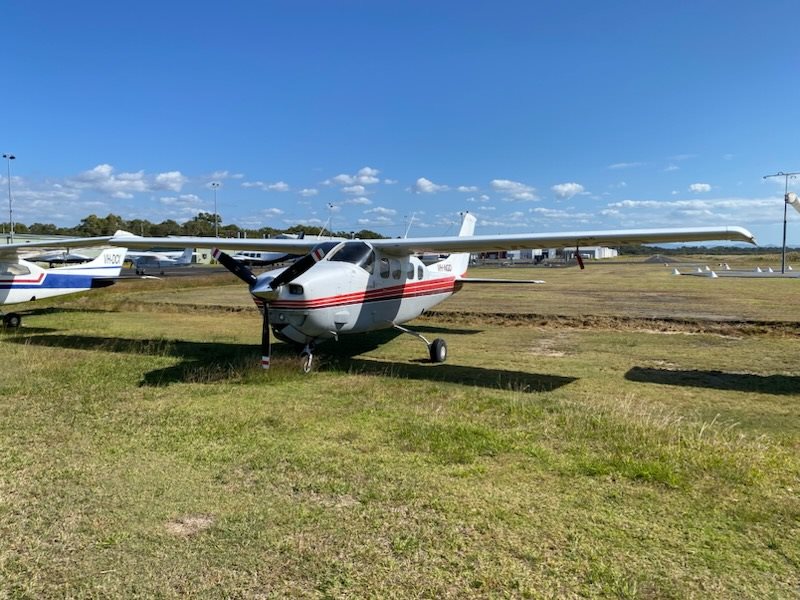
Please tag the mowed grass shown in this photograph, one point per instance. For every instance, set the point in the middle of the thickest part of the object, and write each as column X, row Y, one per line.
column 143, row 453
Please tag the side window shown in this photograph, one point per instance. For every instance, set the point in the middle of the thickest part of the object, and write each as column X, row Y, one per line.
column 13, row 269
column 385, row 268
column 410, row 272
column 419, row 272
column 396, row 270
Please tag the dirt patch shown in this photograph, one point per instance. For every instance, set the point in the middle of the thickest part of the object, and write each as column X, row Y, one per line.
column 734, row 328
column 189, row 525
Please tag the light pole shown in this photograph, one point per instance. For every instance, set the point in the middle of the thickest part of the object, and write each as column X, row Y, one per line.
column 9, row 157
column 214, row 186
column 786, row 177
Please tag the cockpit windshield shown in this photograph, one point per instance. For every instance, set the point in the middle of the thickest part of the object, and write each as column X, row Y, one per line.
column 356, row 253
column 324, row 248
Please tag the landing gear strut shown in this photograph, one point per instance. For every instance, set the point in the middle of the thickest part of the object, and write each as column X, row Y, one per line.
column 307, row 357
column 12, row 320
column 437, row 349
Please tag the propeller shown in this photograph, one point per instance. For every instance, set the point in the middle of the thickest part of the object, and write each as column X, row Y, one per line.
column 292, row 272
column 297, row 268
column 234, row 266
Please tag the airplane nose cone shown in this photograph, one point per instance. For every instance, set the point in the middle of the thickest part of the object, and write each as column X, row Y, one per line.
column 262, row 288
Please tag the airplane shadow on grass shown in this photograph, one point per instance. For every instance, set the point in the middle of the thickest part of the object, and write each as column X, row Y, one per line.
column 207, row 362
column 719, row 380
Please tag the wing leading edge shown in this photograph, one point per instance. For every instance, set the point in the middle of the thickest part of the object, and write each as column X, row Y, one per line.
column 449, row 244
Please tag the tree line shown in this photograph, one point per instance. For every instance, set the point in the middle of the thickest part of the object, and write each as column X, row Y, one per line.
column 200, row 225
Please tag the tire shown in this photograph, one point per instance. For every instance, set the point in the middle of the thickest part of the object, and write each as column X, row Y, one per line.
column 12, row 320
column 438, row 350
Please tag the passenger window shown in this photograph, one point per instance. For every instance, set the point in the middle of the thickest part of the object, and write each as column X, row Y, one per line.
column 419, row 272
column 396, row 270
column 410, row 272
column 385, row 268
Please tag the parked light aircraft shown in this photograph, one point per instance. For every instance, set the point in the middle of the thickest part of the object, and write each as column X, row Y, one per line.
column 353, row 286
column 158, row 260
column 59, row 257
column 24, row 281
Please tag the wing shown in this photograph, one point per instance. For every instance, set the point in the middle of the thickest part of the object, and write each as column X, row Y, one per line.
column 475, row 243
column 284, row 246
column 11, row 252
column 521, row 241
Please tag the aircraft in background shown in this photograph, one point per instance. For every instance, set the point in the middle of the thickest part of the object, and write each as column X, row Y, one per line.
column 254, row 258
column 24, row 281
column 59, row 257
column 354, row 286
column 158, row 260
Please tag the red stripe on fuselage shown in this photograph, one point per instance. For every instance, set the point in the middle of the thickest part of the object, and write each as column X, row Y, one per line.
column 422, row 288
column 14, row 280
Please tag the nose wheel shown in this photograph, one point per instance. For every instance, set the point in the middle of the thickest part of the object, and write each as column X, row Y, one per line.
column 307, row 358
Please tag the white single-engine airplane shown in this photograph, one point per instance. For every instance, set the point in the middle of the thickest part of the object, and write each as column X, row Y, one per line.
column 24, row 281
column 354, row 286
column 158, row 260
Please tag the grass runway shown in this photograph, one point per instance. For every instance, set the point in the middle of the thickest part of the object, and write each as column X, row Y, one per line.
column 615, row 433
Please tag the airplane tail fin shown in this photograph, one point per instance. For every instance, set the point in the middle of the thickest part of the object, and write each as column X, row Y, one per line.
column 186, row 257
column 107, row 264
column 458, row 262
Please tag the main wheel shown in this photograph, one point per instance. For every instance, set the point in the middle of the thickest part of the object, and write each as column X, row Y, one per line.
column 438, row 350
column 12, row 320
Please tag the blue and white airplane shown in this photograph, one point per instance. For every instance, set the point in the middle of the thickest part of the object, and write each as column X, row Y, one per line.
column 24, row 281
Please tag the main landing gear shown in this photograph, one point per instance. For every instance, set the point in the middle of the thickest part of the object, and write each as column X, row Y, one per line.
column 437, row 349
column 12, row 320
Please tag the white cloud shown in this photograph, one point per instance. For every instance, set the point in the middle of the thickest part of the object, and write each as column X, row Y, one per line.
column 279, row 186
column 375, row 221
column 380, row 210
column 361, row 200
column 390, row 181
column 308, row 192
column 670, row 168
column 172, row 180
column 467, row 188
column 514, row 190
column 625, row 165
column 426, row 186
column 680, row 157
column 700, row 188
column 567, row 190
column 103, row 179
column 365, row 176
column 182, row 200
column 272, row 212
column 357, row 190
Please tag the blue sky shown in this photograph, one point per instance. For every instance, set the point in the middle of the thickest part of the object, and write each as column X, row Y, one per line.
column 535, row 116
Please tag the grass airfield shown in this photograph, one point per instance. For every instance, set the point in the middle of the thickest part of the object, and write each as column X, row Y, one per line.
column 617, row 432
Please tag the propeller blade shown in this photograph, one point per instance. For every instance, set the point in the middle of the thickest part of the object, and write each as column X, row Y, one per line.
column 234, row 266
column 265, row 344
column 299, row 267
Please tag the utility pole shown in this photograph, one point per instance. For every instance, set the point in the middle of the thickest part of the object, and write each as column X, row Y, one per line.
column 214, row 186
column 9, row 157
column 786, row 177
